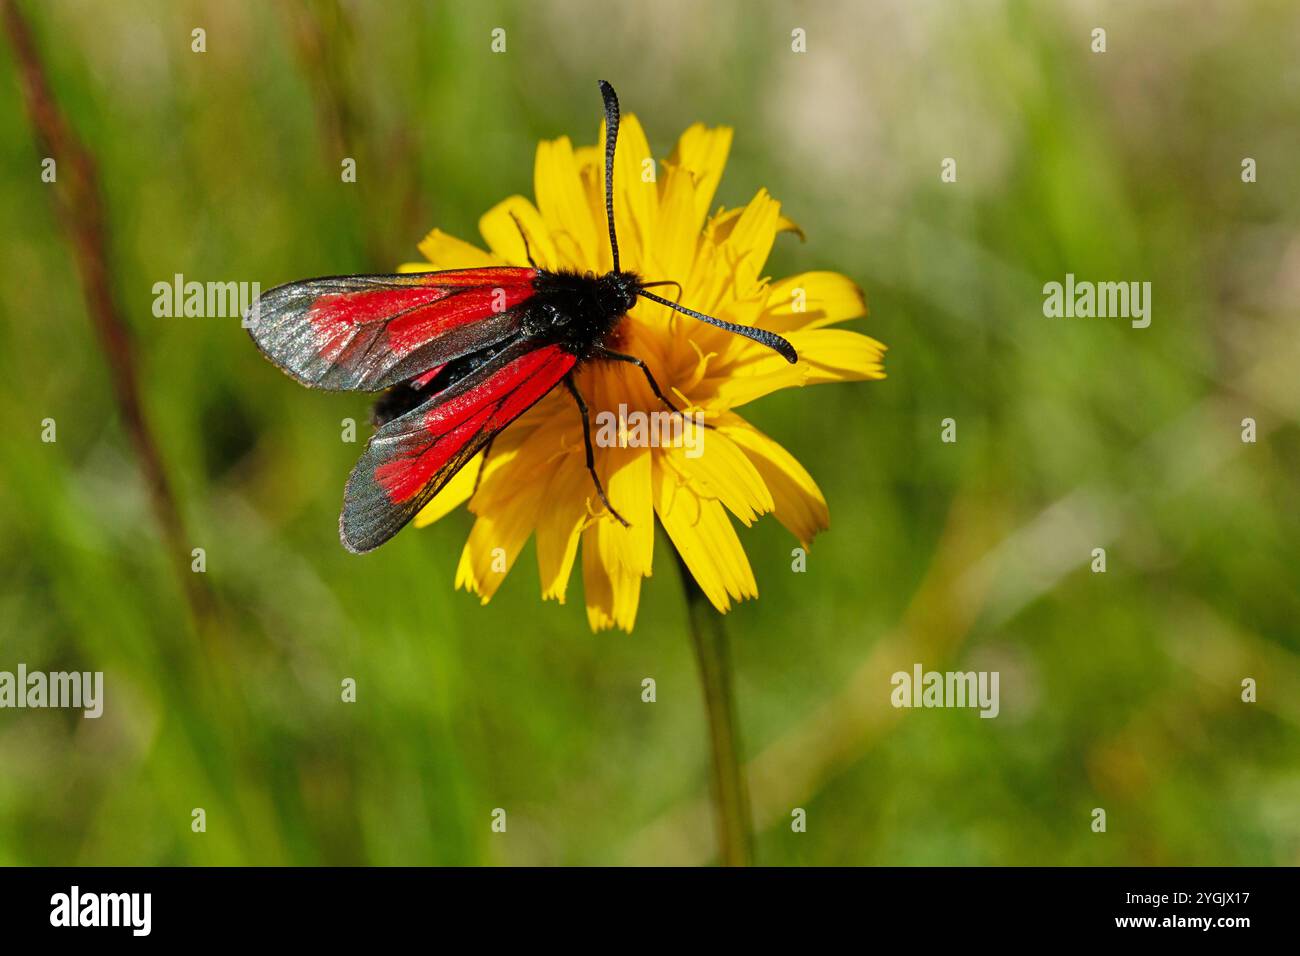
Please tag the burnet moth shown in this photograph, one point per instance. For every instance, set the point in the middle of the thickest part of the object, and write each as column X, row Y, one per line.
column 462, row 354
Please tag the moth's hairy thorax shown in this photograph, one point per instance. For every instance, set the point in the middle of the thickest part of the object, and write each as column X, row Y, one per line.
column 579, row 312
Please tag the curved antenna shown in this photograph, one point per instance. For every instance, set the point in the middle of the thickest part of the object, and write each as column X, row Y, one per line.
column 761, row 336
column 611, row 139
column 651, row 285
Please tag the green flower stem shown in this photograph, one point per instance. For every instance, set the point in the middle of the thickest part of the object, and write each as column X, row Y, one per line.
column 730, row 793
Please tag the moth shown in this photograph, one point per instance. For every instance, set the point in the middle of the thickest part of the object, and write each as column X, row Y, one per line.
column 459, row 355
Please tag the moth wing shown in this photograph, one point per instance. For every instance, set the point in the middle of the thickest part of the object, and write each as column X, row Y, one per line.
column 365, row 333
column 411, row 458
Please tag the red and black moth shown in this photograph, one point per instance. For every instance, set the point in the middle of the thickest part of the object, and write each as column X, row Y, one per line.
column 462, row 354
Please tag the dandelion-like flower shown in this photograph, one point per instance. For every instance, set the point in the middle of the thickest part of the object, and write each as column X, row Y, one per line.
column 535, row 480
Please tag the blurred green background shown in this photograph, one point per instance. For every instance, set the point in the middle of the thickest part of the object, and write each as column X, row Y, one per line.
column 1119, row 690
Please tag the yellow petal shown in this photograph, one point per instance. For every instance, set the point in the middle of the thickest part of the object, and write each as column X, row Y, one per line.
column 677, row 231
column 732, row 271
column 591, row 170
column 448, row 252
column 702, row 151
column 615, row 558
column 560, row 524
column 501, row 227
column 624, row 472
column 718, row 470
column 702, row 534
column 825, row 355
column 562, row 201
column 751, row 240
column 626, row 475
column 720, row 226
column 811, row 300
column 492, row 547
column 798, row 502
column 571, row 504
column 598, row 590
column 612, row 592
column 508, row 504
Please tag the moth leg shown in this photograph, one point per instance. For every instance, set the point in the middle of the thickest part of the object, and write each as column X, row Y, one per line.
column 591, row 452
column 650, row 379
column 482, row 465
column 524, row 236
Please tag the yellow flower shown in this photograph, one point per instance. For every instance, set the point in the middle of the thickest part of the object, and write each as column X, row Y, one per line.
column 535, row 480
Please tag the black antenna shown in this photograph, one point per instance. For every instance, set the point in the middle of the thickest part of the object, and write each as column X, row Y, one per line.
column 761, row 336
column 611, row 140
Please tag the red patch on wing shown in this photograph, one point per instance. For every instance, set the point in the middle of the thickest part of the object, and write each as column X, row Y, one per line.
column 488, row 408
column 423, row 380
column 416, row 314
